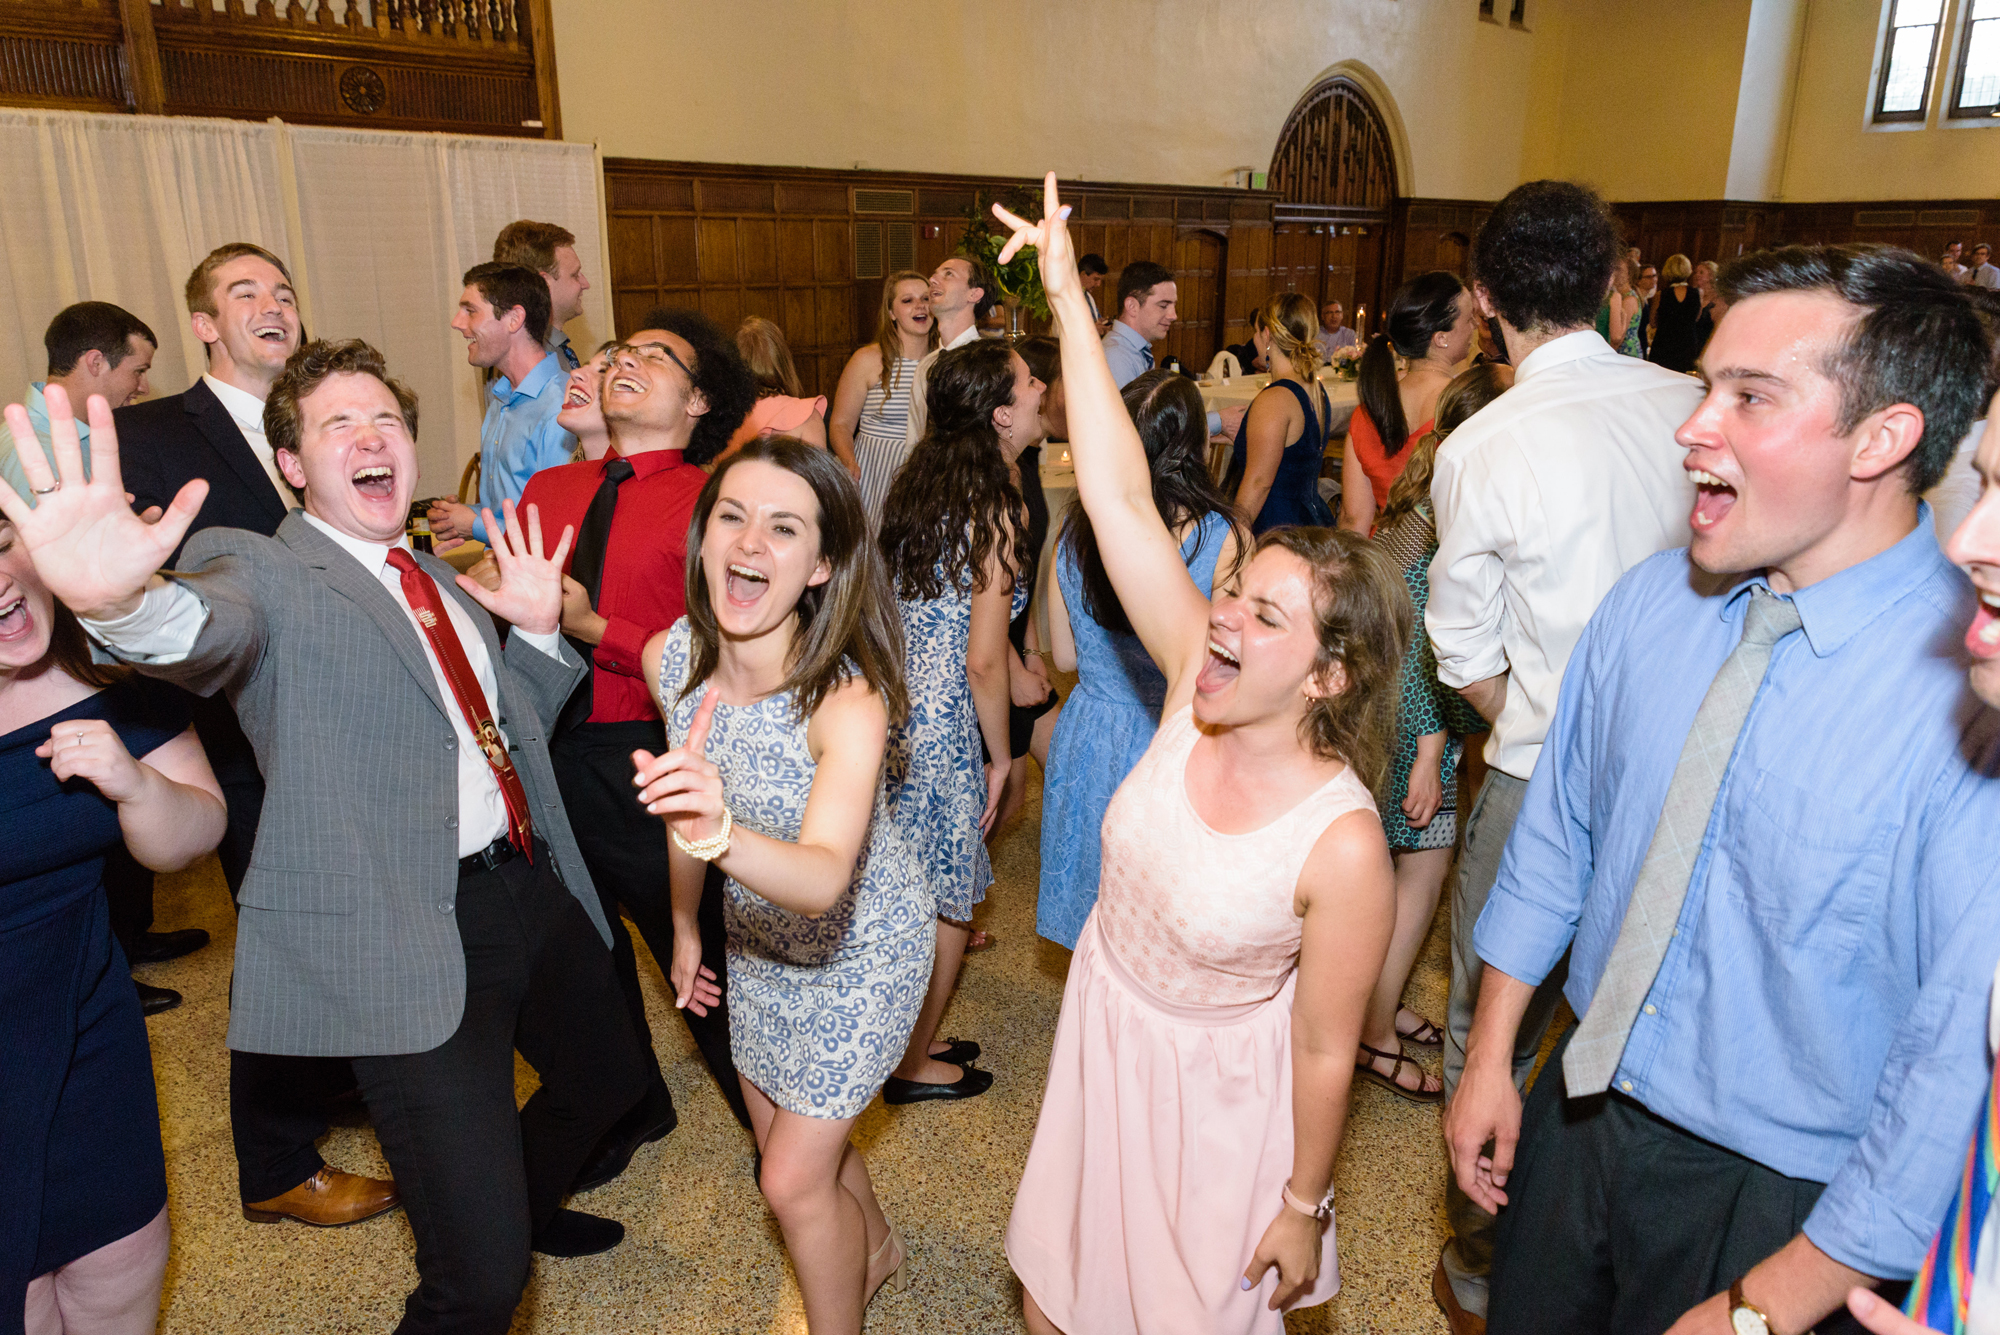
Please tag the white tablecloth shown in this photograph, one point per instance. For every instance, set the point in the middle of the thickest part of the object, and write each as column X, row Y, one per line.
column 1241, row 389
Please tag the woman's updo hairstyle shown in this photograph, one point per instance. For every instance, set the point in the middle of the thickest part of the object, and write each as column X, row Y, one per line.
column 1422, row 308
column 1292, row 321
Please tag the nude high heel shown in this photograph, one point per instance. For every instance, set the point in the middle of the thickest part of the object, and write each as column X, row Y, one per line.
column 899, row 1278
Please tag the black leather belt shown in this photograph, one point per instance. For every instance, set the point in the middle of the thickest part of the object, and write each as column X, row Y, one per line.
column 496, row 854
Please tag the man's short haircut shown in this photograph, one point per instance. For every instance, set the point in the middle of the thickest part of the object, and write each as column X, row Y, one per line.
column 506, row 286
column 718, row 372
column 1092, row 263
column 92, row 326
column 532, row 245
column 1982, row 246
column 310, row 367
column 980, row 277
column 200, row 291
column 1917, row 338
column 1139, row 278
column 1545, row 254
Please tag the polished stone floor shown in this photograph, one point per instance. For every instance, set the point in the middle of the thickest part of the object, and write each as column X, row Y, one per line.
column 702, row 1253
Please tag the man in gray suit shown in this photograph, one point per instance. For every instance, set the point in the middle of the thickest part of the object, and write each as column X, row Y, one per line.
column 415, row 899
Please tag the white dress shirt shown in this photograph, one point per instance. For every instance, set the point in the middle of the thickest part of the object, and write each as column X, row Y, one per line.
column 169, row 619
column 1543, row 499
column 913, row 430
column 247, row 411
column 1985, row 275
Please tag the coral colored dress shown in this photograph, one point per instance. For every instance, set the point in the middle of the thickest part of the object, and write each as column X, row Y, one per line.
column 1165, row 1136
column 1381, row 467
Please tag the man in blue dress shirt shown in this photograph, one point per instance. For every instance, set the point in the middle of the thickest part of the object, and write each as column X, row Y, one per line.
column 1793, row 962
column 503, row 315
column 1148, row 309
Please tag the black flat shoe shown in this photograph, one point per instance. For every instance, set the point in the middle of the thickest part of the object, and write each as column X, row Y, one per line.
column 159, row 947
column 574, row 1233
column 652, row 1119
column 974, row 1082
column 153, row 1000
column 957, row 1052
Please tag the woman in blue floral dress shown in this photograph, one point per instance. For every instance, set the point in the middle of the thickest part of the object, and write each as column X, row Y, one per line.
column 951, row 535
column 779, row 690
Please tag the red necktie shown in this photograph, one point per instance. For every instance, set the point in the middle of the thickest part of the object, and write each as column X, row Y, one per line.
column 425, row 601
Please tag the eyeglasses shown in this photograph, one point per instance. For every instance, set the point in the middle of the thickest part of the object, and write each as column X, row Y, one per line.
column 654, row 353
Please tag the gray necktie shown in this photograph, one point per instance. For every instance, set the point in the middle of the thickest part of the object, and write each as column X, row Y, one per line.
column 1662, row 886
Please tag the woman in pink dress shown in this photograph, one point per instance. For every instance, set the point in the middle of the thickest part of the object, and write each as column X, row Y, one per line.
column 1180, row 1181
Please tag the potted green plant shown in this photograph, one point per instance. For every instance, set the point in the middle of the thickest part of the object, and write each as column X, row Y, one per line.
column 1019, row 280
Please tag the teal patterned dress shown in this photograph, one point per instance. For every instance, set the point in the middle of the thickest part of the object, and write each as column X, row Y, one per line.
column 1428, row 705
column 820, row 1009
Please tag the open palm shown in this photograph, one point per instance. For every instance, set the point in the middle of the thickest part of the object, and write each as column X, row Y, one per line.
column 87, row 545
column 529, row 592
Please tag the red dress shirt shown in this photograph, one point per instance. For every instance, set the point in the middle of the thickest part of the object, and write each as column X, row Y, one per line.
column 644, row 587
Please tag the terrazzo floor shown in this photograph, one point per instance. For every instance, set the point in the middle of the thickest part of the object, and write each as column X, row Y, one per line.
column 701, row 1253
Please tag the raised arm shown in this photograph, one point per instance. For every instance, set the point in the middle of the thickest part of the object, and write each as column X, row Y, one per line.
column 1113, row 481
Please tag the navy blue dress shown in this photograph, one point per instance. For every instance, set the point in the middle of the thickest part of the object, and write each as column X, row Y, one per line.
column 79, row 1123
column 1294, row 496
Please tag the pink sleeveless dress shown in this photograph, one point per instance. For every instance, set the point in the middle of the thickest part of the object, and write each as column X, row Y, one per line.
column 1165, row 1135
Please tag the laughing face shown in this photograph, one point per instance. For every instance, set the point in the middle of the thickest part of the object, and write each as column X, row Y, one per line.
column 648, row 385
column 1152, row 313
column 1263, row 644
column 582, row 414
column 356, row 467
column 760, row 549
column 912, row 307
column 255, row 327
column 25, row 607
column 1976, row 546
column 1019, row 423
column 1773, row 476
column 951, row 288
column 487, row 333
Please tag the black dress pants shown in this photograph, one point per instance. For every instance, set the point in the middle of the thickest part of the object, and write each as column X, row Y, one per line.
column 477, row 1178
column 626, row 851
column 1618, row 1220
column 277, row 1104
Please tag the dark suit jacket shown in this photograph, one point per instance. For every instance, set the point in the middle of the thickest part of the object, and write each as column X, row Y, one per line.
column 164, row 444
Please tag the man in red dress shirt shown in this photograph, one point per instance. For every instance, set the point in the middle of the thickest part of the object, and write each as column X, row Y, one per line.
column 673, row 394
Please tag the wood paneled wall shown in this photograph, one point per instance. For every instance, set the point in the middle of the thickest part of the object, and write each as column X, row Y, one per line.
column 780, row 242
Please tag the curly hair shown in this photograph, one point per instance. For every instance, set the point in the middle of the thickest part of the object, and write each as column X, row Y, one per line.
column 1544, row 255
column 1422, row 308
column 1363, row 619
column 308, row 368
column 953, row 505
column 720, row 376
column 1173, row 426
column 1917, row 338
column 847, row 625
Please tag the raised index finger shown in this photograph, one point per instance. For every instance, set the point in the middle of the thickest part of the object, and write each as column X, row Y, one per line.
column 697, row 739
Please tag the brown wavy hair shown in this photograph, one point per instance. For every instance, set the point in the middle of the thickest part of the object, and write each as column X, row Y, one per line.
column 1469, row 391
column 953, row 504
column 888, row 337
column 847, row 625
column 1361, row 611
column 768, row 357
column 308, row 368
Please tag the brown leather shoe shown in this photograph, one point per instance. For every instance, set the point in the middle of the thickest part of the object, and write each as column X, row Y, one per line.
column 328, row 1199
column 1461, row 1321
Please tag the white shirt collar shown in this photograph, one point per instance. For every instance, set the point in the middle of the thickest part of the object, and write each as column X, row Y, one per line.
column 245, row 408
column 1557, row 351
column 971, row 335
column 372, row 555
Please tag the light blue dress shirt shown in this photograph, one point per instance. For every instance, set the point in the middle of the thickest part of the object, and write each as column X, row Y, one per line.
column 38, row 418
column 1822, row 1006
column 520, row 436
column 1130, row 356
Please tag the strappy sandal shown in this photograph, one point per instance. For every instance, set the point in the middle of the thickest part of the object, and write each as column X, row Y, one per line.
column 1366, row 1069
column 1425, row 1035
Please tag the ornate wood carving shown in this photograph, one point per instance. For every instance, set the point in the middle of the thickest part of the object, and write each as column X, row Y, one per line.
column 1334, row 151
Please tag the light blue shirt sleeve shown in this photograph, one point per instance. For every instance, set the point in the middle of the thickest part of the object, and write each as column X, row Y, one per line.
column 1124, row 353
column 519, row 438
column 10, row 466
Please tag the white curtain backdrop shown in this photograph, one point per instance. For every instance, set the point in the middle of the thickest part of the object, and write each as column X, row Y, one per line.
column 376, row 228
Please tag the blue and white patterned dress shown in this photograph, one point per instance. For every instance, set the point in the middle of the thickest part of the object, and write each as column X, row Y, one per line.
column 820, row 1009
column 941, row 752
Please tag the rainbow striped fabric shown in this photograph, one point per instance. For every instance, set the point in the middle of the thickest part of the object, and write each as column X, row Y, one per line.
column 1942, row 1291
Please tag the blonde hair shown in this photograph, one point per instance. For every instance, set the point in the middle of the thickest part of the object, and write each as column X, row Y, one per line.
column 768, row 357
column 1469, row 391
column 1292, row 321
column 888, row 337
column 1677, row 269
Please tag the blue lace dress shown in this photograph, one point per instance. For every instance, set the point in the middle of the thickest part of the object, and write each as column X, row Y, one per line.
column 1100, row 735
column 941, row 751
column 820, row 1009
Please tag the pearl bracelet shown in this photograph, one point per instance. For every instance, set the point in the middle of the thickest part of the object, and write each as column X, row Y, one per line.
column 708, row 850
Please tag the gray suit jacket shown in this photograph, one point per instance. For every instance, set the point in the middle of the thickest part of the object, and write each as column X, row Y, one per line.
column 347, row 941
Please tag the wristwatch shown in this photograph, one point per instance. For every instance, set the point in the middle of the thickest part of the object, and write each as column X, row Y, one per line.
column 1743, row 1318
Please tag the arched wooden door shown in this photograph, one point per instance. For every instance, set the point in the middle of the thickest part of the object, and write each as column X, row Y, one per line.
column 1335, row 172
column 1199, row 269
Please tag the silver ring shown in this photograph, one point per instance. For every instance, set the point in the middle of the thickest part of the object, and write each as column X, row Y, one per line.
column 44, row 491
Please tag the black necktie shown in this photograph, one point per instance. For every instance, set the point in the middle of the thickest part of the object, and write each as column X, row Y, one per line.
column 586, row 567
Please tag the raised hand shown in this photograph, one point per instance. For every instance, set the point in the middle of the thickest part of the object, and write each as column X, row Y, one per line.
column 682, row 785
column 529, row 593
column 1053, row 248
column 87, row 545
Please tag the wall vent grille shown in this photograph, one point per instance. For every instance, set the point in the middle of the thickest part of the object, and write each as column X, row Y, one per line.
column 1885, row 217
column 885, row 201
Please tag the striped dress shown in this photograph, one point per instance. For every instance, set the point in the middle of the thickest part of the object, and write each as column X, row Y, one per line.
column 879, row 447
